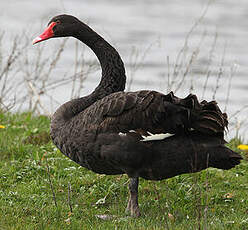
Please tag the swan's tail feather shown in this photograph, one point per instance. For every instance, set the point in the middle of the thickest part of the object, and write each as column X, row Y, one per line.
column 210, row 122
column 224, row 158
column 205, row 117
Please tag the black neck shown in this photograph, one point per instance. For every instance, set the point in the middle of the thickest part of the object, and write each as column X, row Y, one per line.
column 113, row 71
column 113, row 74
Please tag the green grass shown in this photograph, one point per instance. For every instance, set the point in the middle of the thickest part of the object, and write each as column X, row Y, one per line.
column 214, row 199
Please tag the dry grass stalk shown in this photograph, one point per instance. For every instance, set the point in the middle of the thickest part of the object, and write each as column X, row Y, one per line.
column 233, row 70
column 8, row 73
column 69, row 196
column 220, row 73
column 209, row 63
column 51, row 186
column 136, row 59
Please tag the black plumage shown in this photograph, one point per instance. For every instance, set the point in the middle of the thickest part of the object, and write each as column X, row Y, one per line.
column 107, row 130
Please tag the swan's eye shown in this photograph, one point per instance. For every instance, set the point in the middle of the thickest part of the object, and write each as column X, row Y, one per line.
column 58, row 22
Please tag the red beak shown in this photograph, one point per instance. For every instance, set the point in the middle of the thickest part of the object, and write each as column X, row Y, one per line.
column 48, row 33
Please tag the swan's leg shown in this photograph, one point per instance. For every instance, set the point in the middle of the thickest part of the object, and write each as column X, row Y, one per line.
column 128, row 209
column 133, row 205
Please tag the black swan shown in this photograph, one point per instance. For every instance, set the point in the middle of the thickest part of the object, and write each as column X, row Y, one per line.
column 115, row 132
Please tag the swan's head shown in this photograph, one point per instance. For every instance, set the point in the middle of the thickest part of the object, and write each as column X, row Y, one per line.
column 61, row 26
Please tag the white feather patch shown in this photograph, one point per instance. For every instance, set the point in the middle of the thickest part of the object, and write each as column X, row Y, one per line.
column 122, row 134
column 132, row 131
column 157, row 137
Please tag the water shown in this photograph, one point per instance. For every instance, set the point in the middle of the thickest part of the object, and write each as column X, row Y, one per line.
column 160, row 26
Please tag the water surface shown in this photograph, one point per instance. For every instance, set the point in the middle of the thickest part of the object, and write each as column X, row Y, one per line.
column 157, row 28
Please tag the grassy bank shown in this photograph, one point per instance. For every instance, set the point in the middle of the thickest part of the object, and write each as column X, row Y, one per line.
column 42, row 189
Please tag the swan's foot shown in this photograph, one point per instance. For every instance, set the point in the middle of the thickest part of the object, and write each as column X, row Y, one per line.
column 133, row 205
